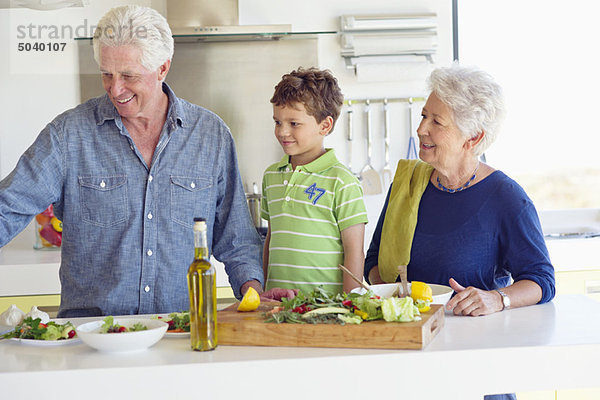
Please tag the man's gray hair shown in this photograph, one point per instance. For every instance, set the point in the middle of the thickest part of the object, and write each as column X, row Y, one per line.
column 475, row 99
column 137, row 26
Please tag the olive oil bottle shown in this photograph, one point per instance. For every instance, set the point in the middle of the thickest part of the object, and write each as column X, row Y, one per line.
column 202, row 289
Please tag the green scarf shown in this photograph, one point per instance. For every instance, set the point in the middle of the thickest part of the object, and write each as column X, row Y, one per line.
column 410, row 181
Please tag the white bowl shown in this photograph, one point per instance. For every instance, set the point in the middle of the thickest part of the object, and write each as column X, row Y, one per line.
column 441, row 293
column 90, row 334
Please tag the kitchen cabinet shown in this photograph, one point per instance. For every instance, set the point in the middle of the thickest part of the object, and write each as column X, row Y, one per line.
column 579, row 282
column 577, row 264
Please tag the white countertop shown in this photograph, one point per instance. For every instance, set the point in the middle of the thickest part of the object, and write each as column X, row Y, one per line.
column 542, row 347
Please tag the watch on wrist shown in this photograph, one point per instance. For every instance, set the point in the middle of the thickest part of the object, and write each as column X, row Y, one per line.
column 505, row 300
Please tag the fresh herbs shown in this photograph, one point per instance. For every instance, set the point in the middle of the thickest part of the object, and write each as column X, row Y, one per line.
column 110, row 327
column 34, row 329
column 319, row 307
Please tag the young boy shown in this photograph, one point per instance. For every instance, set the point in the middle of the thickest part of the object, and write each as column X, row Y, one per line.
column 313, row 203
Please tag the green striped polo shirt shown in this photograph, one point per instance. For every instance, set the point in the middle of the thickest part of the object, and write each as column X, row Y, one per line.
column 307, row 209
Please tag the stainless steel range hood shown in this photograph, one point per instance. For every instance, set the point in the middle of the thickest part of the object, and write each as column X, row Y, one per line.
column 212, row 20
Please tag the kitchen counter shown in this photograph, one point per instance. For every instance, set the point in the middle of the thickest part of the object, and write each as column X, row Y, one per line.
column 550, row 346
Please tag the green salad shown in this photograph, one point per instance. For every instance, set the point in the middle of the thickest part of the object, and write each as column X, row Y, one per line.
column 34, row 329
column 110, row 327
column 179, row 322
column 319, row 306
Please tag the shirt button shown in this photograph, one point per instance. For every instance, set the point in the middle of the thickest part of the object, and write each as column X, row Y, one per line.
column 285, row 182
column 287, row 169
column 192, row 185
column 149, row 215
column 287, row 198
column 147, row 289
column 149, row 252
column 131, row 147
column 102, row 184
column 150, row 178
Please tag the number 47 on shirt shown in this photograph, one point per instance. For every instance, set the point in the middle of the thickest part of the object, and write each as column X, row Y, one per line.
column 312, row 190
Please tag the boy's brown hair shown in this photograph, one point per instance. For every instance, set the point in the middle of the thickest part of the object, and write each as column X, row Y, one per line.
column 316, row 89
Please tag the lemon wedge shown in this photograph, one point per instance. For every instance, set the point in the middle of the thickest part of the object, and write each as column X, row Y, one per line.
column 421, row 291
column 422, row 294
column 250, row 301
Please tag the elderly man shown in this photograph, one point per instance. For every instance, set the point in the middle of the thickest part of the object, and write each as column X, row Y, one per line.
column 127, row 172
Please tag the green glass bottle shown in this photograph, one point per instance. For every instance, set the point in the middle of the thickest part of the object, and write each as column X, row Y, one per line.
column 202, row 287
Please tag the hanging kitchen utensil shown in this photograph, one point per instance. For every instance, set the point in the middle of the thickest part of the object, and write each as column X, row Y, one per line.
column 349, row 112
column 371, row 182
column 253, row 199
column 411, row 153
column 387, row 171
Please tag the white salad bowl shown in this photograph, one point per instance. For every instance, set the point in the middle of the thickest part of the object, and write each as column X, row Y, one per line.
column 90, row 334
column 441, row 293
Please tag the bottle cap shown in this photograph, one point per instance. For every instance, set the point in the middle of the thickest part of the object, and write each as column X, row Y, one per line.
column 199, row 219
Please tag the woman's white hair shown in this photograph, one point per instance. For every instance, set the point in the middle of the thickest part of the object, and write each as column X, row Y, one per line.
column 137, row 26
column 475, row 99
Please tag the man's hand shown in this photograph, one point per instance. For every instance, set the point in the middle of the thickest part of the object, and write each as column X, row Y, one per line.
column 255, row 284
column 276, row 294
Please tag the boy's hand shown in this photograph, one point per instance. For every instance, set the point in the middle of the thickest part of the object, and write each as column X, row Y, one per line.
column 276, row 294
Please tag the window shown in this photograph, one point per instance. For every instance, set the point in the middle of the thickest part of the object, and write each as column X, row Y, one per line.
column 546, row 57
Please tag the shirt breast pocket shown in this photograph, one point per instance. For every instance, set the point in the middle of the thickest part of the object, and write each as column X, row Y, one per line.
column 190, row 197
column 103, row 199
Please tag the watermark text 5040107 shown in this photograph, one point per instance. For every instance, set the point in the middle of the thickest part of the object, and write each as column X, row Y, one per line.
column 41, row 46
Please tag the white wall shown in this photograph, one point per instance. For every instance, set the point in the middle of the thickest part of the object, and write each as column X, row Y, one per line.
column 319, row 15
column 34, row 92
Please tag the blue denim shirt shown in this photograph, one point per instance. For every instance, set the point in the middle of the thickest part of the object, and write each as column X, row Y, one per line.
column 127, row 226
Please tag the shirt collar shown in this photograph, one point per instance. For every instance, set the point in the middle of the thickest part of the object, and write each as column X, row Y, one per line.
column 322, row 163
column 175, row 114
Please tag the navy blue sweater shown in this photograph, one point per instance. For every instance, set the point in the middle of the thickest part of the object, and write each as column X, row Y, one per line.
column 481, row 237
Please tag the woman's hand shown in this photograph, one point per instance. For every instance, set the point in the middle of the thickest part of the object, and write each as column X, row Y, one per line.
column 374, row 276
column 472, row 301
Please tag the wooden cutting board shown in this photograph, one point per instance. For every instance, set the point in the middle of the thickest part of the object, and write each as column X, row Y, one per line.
column 249, row 329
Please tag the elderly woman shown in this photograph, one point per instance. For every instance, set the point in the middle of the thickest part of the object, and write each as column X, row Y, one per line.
column 455, row 220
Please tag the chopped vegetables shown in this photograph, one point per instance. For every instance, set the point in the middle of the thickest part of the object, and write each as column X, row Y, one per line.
column 402, row 309
column 319, row 306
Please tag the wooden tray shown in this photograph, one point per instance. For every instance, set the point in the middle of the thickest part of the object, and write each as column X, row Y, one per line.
column 249, row 329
